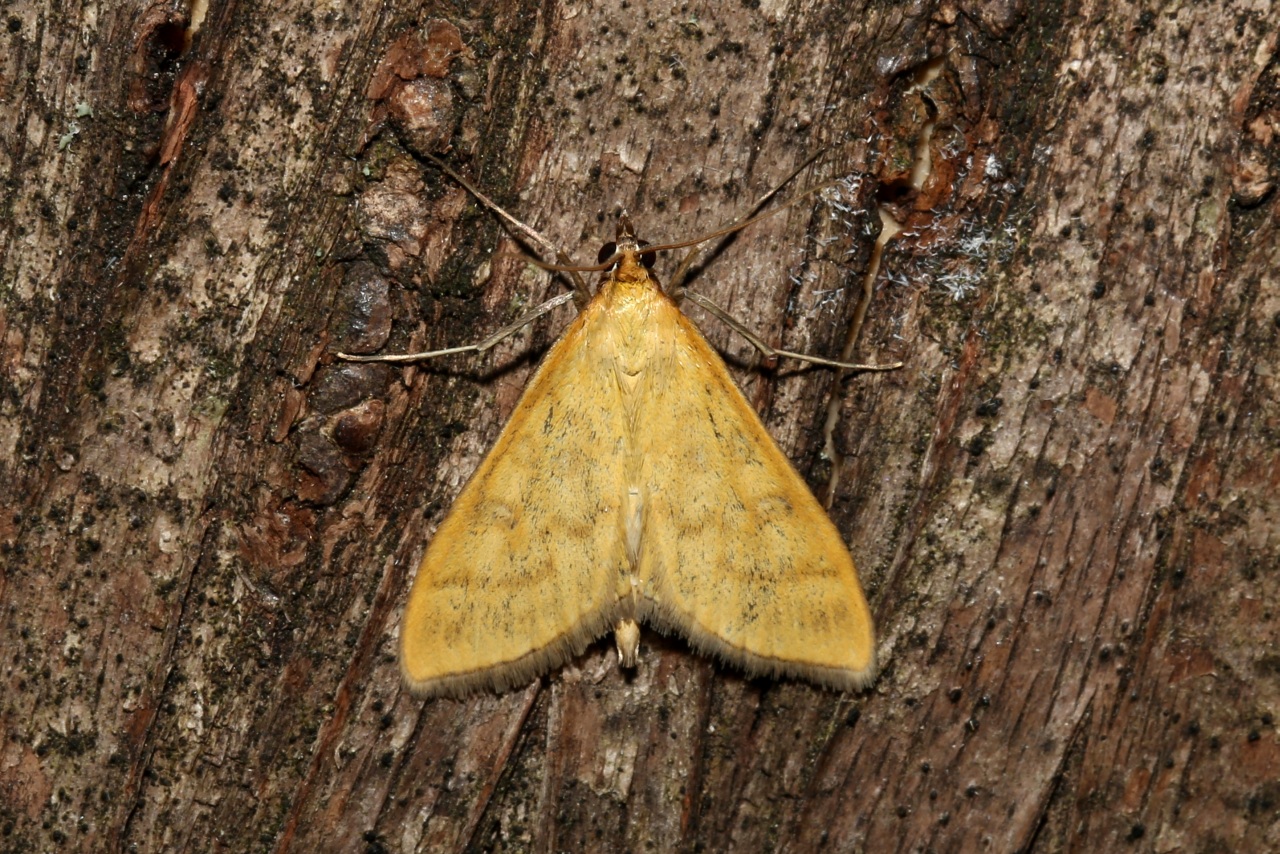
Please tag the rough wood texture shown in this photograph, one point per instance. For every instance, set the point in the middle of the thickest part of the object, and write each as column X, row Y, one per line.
column 1063, row 506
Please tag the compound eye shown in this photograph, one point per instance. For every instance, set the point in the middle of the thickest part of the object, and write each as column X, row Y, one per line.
column 606, row 252
column 647, row 258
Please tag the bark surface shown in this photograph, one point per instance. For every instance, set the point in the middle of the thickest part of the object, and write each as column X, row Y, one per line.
column 1063, row 506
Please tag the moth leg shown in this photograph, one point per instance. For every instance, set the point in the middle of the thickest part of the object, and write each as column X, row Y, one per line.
column 771, row 352
column 480, row 347
column 580, row 293
column 677, row 280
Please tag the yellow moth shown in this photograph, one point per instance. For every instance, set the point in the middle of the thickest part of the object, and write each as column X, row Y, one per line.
column 633, row 484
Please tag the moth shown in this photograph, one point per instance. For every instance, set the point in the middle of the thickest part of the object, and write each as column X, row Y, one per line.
column 633, row 484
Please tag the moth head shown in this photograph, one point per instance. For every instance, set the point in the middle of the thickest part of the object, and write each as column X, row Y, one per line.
column 626, row 242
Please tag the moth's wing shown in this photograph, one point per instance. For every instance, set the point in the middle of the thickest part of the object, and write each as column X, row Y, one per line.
column 525, row 570
column 736, row 554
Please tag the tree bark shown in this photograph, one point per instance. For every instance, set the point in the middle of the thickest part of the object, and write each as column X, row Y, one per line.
column 1062, row 507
